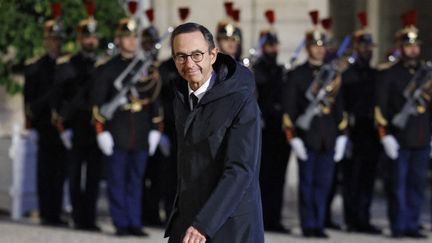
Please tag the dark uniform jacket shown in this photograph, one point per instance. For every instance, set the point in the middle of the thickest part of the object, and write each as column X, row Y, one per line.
column 358, row 89
column 38, row 92
column 324, row 128
column 129, row 128
column 390, row 100
column 72, row 101
column 219, row 146
column 269, row 81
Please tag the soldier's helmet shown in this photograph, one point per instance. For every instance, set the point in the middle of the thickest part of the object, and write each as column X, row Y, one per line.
column 129, row 25
column 54, row 27
column 88, row 26
column 409, row 33
column 269, row 35
column 149, row 35
column 363, row 36
column 315, row 36
column 228, row 28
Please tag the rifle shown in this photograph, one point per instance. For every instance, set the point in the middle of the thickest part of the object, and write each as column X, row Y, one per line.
column 326, row 75
column 422, row 80
column 140, row 64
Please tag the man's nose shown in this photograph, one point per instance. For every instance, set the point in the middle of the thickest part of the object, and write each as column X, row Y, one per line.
column 189, row 62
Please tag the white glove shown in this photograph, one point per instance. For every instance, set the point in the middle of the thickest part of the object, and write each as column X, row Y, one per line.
column 153, row 139
column 299, row 148
column 165, row 145
column 105, row 142
column 391, row 146
column 66, row 137
column 341, row 143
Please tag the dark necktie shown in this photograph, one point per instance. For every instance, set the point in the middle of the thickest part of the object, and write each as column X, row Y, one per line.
column 194, row 100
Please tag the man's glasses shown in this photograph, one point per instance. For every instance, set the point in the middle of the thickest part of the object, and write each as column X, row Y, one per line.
column 195, row 56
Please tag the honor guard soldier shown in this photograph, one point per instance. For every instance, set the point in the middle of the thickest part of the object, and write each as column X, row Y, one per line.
column 358, row 89
column 275, row 152
column 73, row 118
column 314, row 125
column 403, row 115
column 38, row 95
column 127, row 120
column 228, row 34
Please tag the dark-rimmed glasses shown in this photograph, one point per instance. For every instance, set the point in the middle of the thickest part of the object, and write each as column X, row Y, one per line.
column 196, row 56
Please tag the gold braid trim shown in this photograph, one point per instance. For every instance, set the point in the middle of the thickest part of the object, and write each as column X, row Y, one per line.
column 344, row 123
column 379, row 118
column 97, row 116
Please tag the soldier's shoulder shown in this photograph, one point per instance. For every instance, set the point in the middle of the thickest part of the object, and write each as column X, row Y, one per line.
column 385, row 66
column 63, row 59
column 103, row 60
column 32, row 60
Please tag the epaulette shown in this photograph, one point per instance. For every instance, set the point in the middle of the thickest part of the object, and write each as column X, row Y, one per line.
column 63, row 59
column 385, row 65
column 102, row 60
column 31, row 60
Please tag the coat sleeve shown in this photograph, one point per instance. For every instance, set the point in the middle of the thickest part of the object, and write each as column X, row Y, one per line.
column 382, row 92
column 243, row 149
column 289, row 105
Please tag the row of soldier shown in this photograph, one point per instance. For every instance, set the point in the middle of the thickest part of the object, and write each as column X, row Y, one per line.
column 85, row 111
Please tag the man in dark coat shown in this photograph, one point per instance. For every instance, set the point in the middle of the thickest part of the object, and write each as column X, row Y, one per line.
column 38, row 95
column 275, row 150
column 219, row 142
column 74, row 123
column 359, row 171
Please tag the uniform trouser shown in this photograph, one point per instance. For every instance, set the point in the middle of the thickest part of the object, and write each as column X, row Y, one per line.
column 407, row 184
column 275, row 152
column 359, row 175
column 315, row 180
column 51, row 170
column 84, row 187
column 125, row 172
column 152, row 189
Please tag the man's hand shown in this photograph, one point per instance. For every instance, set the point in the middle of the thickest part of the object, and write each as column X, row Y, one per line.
column 193, row 236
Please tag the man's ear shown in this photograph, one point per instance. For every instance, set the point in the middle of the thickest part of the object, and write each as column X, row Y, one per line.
column 117, row 40
column 213, row 54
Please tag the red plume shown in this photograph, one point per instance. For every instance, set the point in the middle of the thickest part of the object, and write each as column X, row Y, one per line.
column 132, row 6
column 150, row 14
column 229, row 8
column 184, row 13
column 412, row 18
column 236, row 15
column 314, row 15
column 269, row 14
column 90, row 7
column 362, row 16
column 327, row 23
column 56, row 10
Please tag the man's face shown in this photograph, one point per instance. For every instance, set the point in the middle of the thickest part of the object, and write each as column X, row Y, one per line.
column 188, row 43
column 364, row 51
column 228, row 46
column 317, row 52
column 128, row 43
column 89, row 43
column 271, row 49
column 52, row 45
column 410, row 51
